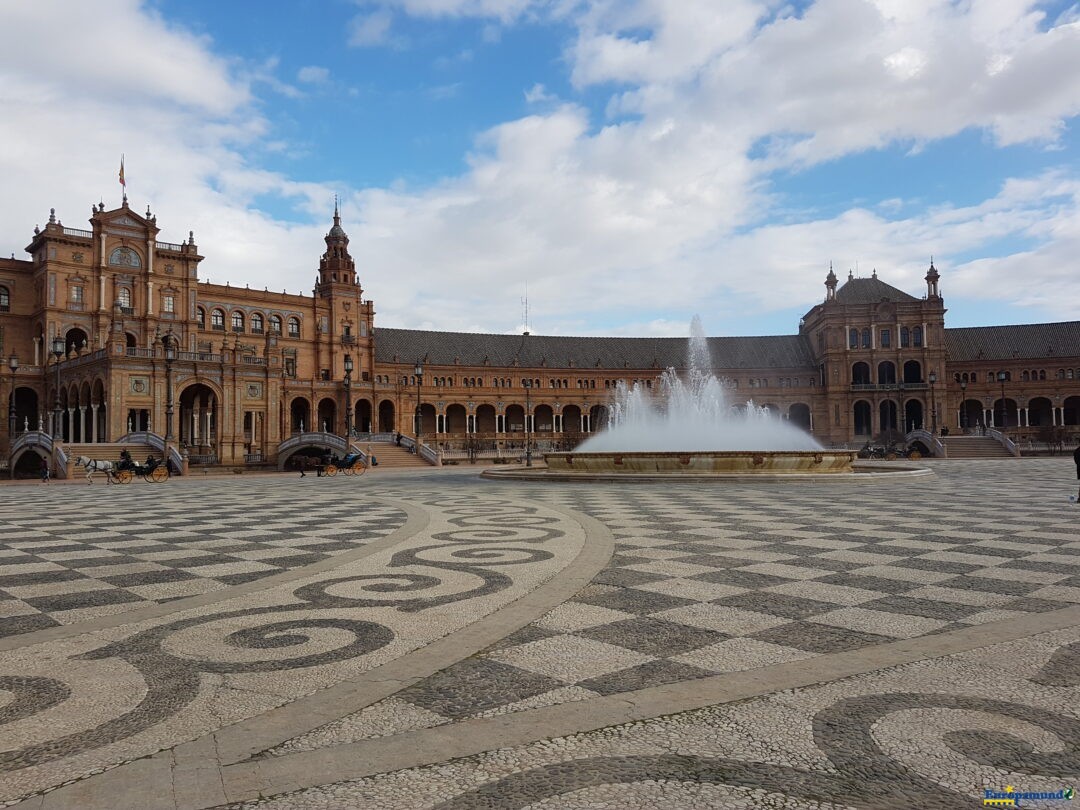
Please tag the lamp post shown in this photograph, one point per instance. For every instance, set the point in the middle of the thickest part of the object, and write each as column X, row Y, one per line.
column 348, row 400
column 933, row 403
column 963, row 406
column 57, row 353
column 528, row 419
column 170, row 343
column 1004, row 418
column 418, row 370
column 13, row 364
column 900, row 416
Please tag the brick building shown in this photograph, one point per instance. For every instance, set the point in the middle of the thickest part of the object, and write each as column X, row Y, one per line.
column 256, row 375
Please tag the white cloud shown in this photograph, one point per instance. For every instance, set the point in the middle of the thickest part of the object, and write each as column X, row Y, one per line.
column 313, row 74
column 628, row 226
column 368, row 30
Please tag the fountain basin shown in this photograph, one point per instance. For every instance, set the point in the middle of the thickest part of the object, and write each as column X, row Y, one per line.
column 735, row 462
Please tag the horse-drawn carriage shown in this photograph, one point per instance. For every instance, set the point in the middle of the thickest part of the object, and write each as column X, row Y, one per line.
column 154, row 470
column 329, row 465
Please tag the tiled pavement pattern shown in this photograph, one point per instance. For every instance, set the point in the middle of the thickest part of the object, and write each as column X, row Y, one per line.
column 64, row 560
column 934, row 734
column 706, row 581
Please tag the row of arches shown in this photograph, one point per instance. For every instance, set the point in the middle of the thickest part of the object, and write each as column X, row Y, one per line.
column 323, row 416
column 972, row 413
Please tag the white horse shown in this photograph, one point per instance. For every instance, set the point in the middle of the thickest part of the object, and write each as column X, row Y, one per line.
column 92, row 466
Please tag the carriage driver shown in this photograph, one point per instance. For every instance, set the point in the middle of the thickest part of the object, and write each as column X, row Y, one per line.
column 125, row 460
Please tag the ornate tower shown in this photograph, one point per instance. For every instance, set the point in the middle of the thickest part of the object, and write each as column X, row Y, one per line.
column 336, row 266
column 932, row 281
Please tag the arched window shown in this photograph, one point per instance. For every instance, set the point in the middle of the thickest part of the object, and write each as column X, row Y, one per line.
column 5, row 299
column 275, row 324
column 200, row 316
column 905, row 337
column 853, row 339
column 1025, row 376
column 1042, row 374
column 294, row 327
column 238, row 321
column 866, row 338
column 916, row 336
column 257, row 323
column 217, row 320
column 124, row 297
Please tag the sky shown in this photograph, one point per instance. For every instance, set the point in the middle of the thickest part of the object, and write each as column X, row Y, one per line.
column 622, row 164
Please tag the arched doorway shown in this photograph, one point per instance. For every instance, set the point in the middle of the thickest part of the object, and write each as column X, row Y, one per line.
column 1005, row 413
column 861, row 414
column 130, row 341
column 598, row 417
column 455, row 420
column 75, row 340
column 971, row 414
column 386, row 417
column 913, row 415
column 860, row 374
column 887, row 412
column 362, row 416
column 485, row 418
column 1040, row 413
column 199, row 418
column 886, row 373
column 571, row 419
column 913, row 371
column 427, row 419
column 544, row 419
column 514, row 421
column 799, row 414
column 327, row 415
column 1070, row 411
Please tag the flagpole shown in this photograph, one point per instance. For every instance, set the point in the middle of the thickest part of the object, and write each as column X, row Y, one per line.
column 123, row 182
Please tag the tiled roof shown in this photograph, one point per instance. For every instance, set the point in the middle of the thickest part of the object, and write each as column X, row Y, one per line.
column 534, row 351
column 870, row 291
column 1036, row 340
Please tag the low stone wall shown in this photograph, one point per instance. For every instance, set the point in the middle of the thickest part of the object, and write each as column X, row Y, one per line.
column 705, row 463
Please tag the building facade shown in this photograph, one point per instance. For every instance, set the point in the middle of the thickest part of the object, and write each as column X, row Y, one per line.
column 82, row 323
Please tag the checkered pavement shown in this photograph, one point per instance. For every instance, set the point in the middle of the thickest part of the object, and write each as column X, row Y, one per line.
column 705, row 581
column 74, row 560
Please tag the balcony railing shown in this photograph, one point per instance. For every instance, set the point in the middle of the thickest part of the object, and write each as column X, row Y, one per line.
column 135, row 351
column 199, row 357
column 76, row 306
column 252, row 360
column 78, row 232
column 169, row 246
column 127, row 310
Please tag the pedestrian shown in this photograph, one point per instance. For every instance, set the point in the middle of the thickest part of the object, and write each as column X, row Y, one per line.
column 44, row 470
column 1076, row 458
column 397, row 438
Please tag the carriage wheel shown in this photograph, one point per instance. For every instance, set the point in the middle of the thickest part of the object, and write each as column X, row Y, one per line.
column 359, row 468
column 890, row 456
column 347, row 470
column 331, row 470
column 123, row 476
column 915, row 455
column 159, row 474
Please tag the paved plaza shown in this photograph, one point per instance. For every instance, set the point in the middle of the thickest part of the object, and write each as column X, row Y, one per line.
column 433, row 639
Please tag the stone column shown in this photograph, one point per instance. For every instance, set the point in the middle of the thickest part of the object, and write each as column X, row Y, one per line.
column 93, row 424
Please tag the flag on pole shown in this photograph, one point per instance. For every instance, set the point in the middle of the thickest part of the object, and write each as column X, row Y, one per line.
column 122, row 181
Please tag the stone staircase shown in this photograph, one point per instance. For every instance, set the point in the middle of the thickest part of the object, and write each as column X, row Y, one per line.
column 975, row 447
column 391, row 457
column 108, row 451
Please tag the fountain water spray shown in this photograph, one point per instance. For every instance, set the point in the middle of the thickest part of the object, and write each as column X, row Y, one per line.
column 692, row 414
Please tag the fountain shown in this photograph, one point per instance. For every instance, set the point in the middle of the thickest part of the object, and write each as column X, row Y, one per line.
column 692, row 430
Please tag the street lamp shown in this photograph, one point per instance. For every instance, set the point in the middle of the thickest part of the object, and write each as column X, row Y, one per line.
column 963, row 406
column 57, row 353
column 418, row 370
column 13, row 364
column 170, row 343
column 933, row 403
column 348, row 400
column 1001, row 375
column 901, row 419
column 528, row 419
